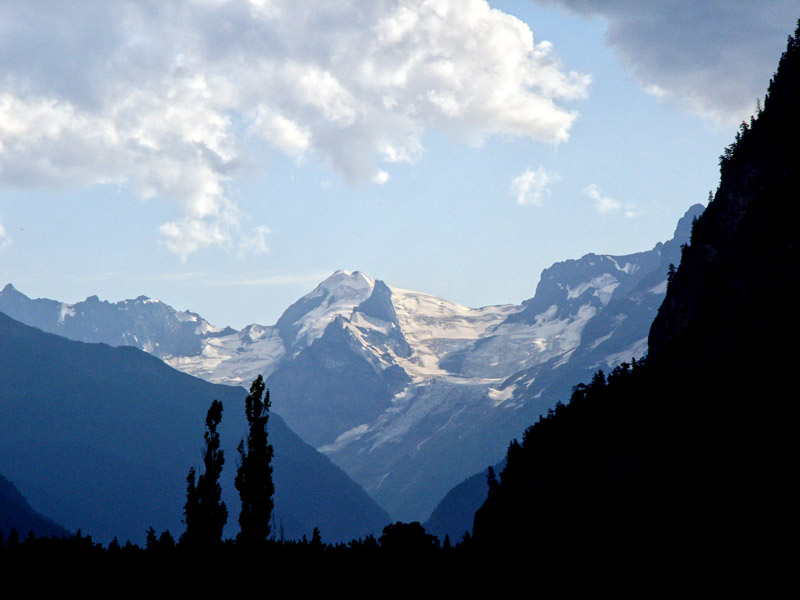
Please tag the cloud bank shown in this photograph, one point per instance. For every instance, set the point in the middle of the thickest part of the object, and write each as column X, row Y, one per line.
column 164, row 97
column 714, row 57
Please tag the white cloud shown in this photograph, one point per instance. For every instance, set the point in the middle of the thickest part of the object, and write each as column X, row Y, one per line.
column 714, row 58
column 603, row 204
column 255, row 243
column 164, row 96
column 632, row 210
column 531, row 186
column 287, row 135
column 380, row 177
column 4, row 239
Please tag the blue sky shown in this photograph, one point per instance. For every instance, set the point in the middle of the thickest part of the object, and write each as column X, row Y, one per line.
column 226, row 156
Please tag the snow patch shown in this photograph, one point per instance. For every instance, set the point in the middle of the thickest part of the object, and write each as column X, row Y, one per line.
column 629, row 268
column 636, row 350
column 66, row 311
column 600, row 340
column 500, row 396
column 348, row 436
column 573, row 293
column 604, row 286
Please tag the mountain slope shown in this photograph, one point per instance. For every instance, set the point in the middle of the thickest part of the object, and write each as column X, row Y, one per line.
column 454, row 514
column 102, row 438
column 181, row 338
column 16, row 513
column 689, row 454
column 475, row 393
column 407, row 392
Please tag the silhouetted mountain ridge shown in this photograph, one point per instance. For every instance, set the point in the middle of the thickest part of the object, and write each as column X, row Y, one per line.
column 17, row 514
column 688, row 454
column 101, row 438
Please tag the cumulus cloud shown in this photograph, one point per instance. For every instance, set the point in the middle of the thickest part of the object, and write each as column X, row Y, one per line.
column 163, row 97
column 716, row 58
column 531, row 186
column 287, row 135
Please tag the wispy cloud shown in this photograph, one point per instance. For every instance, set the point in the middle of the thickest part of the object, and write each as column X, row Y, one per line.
column 603, row 204
column 531, row 186
column 163, row 97
column 4, row 239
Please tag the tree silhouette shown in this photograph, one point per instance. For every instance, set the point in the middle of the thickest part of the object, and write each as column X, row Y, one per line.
column 254, row 477
column 205, row 514
column 491, row 480
column 671, row 273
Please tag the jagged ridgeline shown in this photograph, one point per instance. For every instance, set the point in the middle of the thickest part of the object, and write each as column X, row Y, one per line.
column 689, row 452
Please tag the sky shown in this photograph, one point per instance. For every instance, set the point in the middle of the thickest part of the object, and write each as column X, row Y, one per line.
column 226, row 156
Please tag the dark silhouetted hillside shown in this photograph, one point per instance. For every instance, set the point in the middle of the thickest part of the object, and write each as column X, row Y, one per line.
column 16, row 513
column 102, row 438
column 688, row 456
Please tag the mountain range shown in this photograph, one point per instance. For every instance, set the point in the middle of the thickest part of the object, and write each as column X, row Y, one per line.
column 407, row 392
column 101, row 438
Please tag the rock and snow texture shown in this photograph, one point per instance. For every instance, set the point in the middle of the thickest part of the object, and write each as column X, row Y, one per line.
column 407, row 392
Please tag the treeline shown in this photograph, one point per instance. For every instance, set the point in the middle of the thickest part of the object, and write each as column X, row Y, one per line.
column 397, row 540
column 582, row 481
column 205, row 514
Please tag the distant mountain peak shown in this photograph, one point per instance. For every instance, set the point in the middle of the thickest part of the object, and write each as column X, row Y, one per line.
column 684, row 226
column 379, row 304
column 345, row 284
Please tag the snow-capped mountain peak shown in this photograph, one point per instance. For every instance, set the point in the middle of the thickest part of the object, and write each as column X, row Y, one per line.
column 344, row 284
column 406, row 391
column 337, row 296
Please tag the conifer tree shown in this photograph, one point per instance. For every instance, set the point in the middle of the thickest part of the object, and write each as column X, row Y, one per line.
column 254, row 477
column 151, row 540
column 491, row 479
column 205, row 514
column 671, row 273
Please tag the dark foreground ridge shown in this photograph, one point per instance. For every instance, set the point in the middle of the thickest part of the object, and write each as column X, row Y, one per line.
column 687, row 454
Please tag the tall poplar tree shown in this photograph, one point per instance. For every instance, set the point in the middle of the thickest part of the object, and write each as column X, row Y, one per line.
column 205, row 514
column 254, row 478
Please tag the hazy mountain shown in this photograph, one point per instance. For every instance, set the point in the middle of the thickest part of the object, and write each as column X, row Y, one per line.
column 454, row 514
column 407, row 392
column 16, row 513
column 150, row 325
column 478, row 377
column 102, row 438
column 615, row 333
